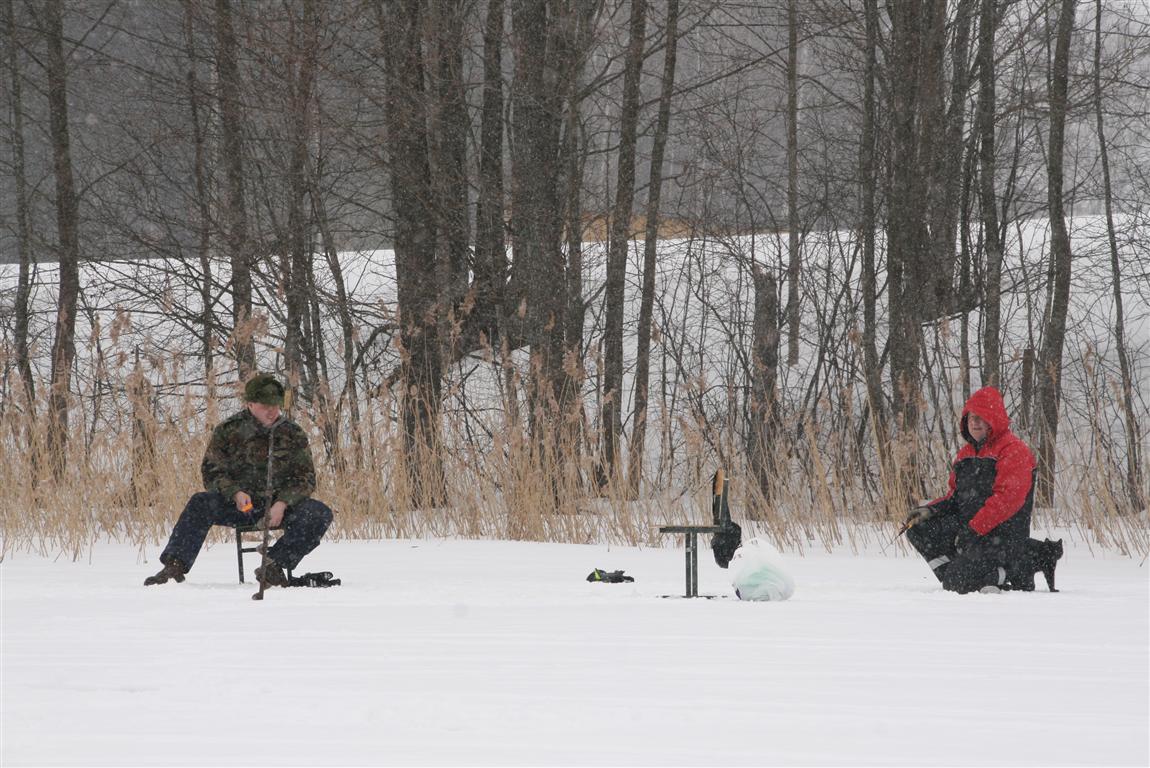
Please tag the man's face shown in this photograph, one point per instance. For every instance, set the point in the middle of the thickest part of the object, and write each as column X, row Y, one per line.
column 977, row 427
column 265, row 414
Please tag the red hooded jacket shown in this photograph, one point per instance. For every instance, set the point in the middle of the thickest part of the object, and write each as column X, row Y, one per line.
column 992, row 482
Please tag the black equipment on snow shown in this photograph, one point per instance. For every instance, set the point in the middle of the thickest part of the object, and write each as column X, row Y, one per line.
column 726, row 541
column 610, row 577
column 317, row 579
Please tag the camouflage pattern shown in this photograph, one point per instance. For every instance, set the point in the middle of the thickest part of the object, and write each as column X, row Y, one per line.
column 237, row 460
column 264, row 388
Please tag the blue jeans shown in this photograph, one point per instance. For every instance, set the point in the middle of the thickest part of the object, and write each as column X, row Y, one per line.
column 304, row 525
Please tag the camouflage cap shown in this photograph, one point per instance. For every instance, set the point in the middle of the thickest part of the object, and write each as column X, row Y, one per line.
column 264, row 388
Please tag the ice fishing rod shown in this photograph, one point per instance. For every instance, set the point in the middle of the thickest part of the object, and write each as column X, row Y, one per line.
column 907, row 524
column 268, row 493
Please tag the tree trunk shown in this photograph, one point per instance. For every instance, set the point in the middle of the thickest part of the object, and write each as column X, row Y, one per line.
column 1026, row 408
column 764, row 427
column 1050, row 359
column 794, row 257
column 235, row 212
column 535, row 211
column 67, row 226
column 988, row 203
column 650, row 252
column 350, row 393
column 203, row 208
column 611, row 421
column 448, row 130
column 144, row 481
column 574, row 419
column 300, row 80
column 415, row 238
column 490, row 248
column 23, row 233
column 869, row 223
column 907, row 247
column 575, row 309
column 947, row 151
column 1133, row 444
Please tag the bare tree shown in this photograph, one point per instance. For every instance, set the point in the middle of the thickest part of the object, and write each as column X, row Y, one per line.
column 1133, row 446
column 235, row 211
column 650, row 252
column 764, row 428
column 868, row 189
column 1054, row 334
column 914, row 185
column 794, row 255
column 908, row 256
column 23, row 234
column 611, row 422
column 415, row 239
column 988, row 202
column 448, row 129
column 541, row 44
column 202, row 175
column 142, row 489
column 490, row 248
column 300, row 76
column 350, row 394
column 67, row 227
column 946, row 147
column 573, row 151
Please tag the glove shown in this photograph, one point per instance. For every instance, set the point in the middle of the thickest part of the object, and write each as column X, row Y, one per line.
column 611, row 577
column 916, row 516
column 965, row 539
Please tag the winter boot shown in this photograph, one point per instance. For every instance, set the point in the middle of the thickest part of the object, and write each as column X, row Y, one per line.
column 271, row 574
column 175, row 569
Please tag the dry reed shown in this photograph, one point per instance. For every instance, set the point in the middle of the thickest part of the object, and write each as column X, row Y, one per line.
column 131, row 469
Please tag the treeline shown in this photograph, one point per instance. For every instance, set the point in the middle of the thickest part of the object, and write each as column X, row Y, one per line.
column 785, row 236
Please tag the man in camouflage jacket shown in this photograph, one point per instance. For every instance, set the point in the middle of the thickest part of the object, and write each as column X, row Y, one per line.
column 238, row 490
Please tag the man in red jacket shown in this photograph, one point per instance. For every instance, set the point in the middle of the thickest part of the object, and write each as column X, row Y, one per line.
column 977, row 536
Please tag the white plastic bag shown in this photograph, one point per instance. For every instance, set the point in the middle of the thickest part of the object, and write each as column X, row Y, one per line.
column 755, row 577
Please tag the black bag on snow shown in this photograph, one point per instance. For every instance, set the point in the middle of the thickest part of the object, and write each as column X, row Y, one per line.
column 725, row 542
column 610, row 577
column 318, row 579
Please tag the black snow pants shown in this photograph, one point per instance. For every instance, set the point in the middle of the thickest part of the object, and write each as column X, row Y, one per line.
column 991, row 560
column 304, row 525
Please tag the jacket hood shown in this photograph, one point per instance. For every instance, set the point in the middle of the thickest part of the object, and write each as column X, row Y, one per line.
column 987, row 404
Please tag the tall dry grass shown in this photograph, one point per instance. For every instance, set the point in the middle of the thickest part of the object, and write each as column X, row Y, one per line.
column 829, row 489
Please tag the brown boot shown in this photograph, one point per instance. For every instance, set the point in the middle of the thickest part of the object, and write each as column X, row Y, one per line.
column 173, row 570
column 272, row 575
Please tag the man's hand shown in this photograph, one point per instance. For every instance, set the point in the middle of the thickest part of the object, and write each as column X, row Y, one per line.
column 276, row 514
column 243, row 502
column 965, row 539
column 916, row 516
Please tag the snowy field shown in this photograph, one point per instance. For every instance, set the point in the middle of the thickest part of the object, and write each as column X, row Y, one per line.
column 499, row 653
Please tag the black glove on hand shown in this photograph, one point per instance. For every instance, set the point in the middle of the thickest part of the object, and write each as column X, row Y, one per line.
column 916, row 516
column 965, row 539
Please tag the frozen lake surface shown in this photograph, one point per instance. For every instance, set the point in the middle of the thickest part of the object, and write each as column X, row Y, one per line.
column 501, row 653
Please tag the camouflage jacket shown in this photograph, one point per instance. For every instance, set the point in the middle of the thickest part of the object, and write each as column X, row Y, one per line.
column 237, row 460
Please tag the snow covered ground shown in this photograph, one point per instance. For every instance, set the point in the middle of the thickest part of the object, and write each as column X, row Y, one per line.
column 485, row 653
